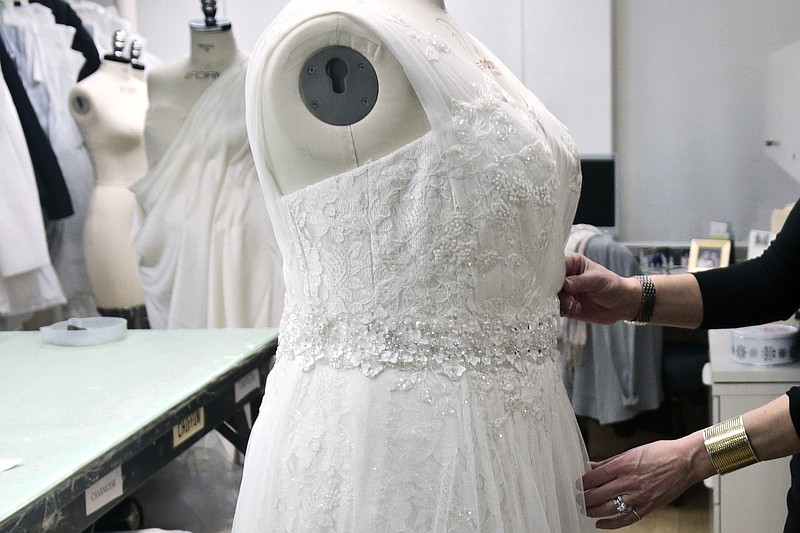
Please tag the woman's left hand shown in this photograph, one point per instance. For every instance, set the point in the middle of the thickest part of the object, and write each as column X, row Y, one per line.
column 645, row 478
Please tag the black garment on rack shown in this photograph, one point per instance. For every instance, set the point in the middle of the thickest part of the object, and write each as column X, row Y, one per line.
column 53, row 193
column 82, row 42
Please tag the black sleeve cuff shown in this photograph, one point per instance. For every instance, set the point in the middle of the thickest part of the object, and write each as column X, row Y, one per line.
column 794, row 407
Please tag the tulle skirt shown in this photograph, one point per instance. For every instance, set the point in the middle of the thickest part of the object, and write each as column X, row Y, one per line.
column 335, row 451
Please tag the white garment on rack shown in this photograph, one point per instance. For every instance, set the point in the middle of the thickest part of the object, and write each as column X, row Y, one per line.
column 28, row 282
column 207, row 253
column 102, row 21
column 417, row 385
column 573, row 332
column 43, row 53
column 613, row 372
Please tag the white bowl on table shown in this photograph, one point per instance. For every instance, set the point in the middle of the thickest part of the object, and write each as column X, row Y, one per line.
column 85, row 331
column 768, row 344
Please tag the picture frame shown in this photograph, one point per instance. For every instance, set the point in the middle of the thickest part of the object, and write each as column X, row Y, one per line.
column 758, row 241
column 705, row 254
column 663, row 259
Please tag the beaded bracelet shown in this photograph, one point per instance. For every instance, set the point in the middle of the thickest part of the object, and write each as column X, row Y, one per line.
column 648, row 300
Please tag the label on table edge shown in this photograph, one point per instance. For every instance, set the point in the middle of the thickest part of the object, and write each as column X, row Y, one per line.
column 244, row 385
column 187, row 427
column 104, row 491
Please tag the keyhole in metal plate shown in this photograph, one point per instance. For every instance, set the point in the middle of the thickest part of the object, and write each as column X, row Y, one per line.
column 338, row 85
column 336, row 69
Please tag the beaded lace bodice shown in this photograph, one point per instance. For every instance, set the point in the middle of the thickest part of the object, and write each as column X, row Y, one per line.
column 445, row 255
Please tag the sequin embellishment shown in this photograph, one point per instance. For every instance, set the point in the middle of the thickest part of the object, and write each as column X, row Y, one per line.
column 450, row 346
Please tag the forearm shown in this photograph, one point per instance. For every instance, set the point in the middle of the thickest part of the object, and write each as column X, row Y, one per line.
column 593, row 293
column 678, row 300
column 769, row 429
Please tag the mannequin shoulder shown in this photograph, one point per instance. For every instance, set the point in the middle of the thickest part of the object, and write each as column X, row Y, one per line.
column 80, row 102
column 105, row 93
column 166, row 75
column 303, row 147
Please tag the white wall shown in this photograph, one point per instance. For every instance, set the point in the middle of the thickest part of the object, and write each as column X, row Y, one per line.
column 165, row 25
column 561, row 49
column 567, row 58
column 690, row 111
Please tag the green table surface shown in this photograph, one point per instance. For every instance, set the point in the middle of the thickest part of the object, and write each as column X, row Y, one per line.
column 62, row 407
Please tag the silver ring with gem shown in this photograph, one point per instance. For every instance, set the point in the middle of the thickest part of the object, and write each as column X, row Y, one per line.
column 621, row 506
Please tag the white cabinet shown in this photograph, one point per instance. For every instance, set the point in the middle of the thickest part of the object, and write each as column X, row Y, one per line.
column 754, row 498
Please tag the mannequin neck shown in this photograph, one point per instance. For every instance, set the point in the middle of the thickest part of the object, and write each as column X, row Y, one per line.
column 117, row 69
column 400, row 5
column 211, row 49
column 436, row 4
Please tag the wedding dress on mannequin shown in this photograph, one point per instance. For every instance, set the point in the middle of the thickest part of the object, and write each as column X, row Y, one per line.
column 207, row 253
column 417, row 385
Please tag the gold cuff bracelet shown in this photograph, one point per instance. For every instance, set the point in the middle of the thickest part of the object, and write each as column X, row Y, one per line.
column 727, row 445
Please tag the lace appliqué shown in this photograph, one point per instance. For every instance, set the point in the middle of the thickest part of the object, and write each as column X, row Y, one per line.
column 422, row 213
column 503, row 399
column 322, row 460
column 406, row 242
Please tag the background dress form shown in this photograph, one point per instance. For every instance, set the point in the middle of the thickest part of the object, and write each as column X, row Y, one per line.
column 417, row 386
column 207, row 253
column 174, row 88
column 109, row 107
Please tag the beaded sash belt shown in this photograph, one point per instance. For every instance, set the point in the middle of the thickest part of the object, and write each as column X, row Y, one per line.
column 450, row 346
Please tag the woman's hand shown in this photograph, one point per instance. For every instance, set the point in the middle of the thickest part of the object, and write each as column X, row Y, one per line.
column 646, row 478
column 593, row 293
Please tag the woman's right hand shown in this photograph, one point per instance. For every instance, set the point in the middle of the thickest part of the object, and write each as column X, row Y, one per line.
column 593, row 293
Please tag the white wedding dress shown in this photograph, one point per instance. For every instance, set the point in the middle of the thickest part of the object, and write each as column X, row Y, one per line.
column 417, row 386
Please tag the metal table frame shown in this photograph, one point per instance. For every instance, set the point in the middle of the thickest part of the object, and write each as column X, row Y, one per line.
column 214, row 405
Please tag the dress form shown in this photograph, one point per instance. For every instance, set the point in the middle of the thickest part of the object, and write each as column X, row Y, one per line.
column 205, row 245
column 173, row 88
column 303, row 149
column 460, row 226
column 109, row 108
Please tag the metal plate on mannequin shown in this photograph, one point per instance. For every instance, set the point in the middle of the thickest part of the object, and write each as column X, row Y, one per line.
column 338, row 85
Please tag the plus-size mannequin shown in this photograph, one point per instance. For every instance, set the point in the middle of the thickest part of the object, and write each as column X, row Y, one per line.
column 417, row 384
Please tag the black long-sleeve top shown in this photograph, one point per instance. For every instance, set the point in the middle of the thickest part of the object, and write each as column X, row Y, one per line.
column 757, row 291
